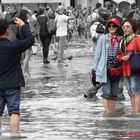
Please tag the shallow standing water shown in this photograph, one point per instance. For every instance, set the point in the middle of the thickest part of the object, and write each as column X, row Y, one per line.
column 53, row 106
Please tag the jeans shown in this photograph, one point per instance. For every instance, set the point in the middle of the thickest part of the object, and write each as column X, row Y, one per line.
column 11, row 97
column 110, row 89
column 133, row 84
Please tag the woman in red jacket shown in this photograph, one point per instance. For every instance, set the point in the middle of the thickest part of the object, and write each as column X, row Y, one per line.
column 127, row 47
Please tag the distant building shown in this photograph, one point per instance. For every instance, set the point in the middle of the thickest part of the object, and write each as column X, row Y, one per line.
column 34, row 4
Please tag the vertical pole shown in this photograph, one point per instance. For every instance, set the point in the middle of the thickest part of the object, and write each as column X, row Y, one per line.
column 0, row 7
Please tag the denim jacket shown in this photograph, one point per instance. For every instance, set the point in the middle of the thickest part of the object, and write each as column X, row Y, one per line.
column 101, row 52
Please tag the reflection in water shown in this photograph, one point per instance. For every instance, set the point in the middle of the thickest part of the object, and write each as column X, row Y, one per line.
column 53, row 108
column 132, row 135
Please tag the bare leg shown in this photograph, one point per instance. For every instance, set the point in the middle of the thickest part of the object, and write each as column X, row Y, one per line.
column 109, row 105
column 14, row 123
column 132, row 104
column 136, row 104
column 25, row 66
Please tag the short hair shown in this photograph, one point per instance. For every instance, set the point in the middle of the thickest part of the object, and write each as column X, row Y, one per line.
column 3, row 26
column 133, row 5
column 132, row 22
column 23, row 15
column 122, row 5
column 41, row 10
column 60, row 8
column 98, row 5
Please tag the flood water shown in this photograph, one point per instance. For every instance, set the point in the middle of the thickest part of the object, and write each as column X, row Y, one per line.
column 53, row 106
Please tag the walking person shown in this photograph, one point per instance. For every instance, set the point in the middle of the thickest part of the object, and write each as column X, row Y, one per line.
column 129, row 44
column 44, row 34
column 62, row 32
column 24, row 15
column 105, row 58
column 11, row 77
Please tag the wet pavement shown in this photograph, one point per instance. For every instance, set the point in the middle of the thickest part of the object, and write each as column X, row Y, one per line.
column 53, row 106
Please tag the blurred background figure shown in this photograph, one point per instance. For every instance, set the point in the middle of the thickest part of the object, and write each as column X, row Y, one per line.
column 62, row 32
column 44, row 34
column 25, row 16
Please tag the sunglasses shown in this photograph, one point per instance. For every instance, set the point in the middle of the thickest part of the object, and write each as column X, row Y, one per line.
column 112, row 26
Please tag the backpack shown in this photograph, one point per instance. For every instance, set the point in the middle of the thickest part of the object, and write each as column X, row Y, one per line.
column 96, row 30
column 100, row 29
column 52, row 25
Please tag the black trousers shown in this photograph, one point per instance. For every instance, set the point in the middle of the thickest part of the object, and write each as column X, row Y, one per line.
column 45, row 42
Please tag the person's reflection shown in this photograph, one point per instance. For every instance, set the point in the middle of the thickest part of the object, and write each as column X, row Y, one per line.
column 132, row 135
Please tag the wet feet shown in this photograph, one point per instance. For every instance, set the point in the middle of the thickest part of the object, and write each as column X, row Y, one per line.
column 120, row 110
column 135, row 115
column 113, row 114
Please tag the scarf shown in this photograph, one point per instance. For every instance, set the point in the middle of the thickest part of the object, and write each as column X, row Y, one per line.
column 125, row 41
column 113, row 40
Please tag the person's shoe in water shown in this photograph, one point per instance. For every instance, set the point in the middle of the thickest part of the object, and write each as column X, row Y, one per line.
column 45, row 61
column 113, row 114
column 70, row 57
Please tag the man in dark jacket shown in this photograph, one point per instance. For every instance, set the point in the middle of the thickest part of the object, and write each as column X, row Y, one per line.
column 11, row 77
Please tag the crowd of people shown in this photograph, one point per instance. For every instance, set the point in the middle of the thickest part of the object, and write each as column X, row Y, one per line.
column 113, row 29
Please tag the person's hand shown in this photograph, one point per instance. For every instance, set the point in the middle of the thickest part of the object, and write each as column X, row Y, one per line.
column 19, row 22
column 126, row 57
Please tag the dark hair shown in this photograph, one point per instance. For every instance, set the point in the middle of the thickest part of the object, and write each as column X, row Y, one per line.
column 3, row 26
column 98, row 5
column 132, row 22
column 133, row 5
column 41, row 11
column 23, row 15
column 122, row 5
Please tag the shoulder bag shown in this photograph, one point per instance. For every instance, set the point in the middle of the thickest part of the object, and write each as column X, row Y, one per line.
column 52, row 25
column 135, row 60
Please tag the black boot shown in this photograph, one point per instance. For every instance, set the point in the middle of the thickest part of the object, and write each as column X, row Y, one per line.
column 45, row 61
